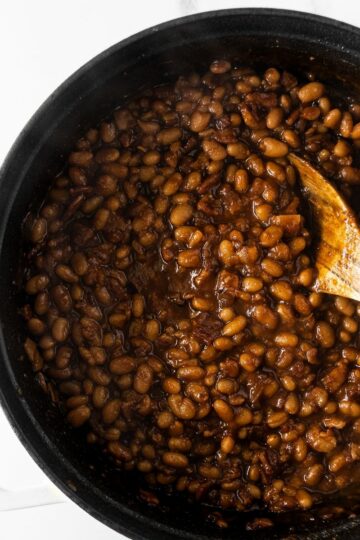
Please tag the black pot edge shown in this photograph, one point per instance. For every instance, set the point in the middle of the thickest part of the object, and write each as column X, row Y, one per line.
column 24, row 434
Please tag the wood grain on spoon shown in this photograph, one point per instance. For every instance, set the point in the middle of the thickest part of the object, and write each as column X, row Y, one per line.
column 338, row 250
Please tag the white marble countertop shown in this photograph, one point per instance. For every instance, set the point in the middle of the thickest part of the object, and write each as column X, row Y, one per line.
column 41, row 44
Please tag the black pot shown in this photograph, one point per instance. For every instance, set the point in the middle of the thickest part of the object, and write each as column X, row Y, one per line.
column 261, row 36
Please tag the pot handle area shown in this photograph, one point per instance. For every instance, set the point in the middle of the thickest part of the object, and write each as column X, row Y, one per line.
column 31, row 497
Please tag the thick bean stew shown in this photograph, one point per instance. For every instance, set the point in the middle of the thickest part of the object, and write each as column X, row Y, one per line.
column 171, row 308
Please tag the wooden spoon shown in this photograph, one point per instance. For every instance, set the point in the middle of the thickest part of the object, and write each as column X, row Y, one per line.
column 338, row 252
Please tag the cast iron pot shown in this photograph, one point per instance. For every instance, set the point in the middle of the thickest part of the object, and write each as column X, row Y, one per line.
column 159, row 54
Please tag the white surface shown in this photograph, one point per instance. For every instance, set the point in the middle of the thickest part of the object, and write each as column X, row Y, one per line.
column 42, row 43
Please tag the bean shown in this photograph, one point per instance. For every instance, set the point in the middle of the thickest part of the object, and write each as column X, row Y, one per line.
column 117, row 320
column 286, row 339
column 355, row 134
column 42, row 303
column 226, row 250
column 62, row 298
column 202, row 304
column 210, row 472
column 111, row 411
column 199, row 121
column 220, row 66
column 277, row 418
column 190, row 373
column 152, row 329
column 235, row 326
column 336, row 462
column 274, row 118
column 71, row 388
column 184, row 233
column 97, row 375
column 59, row 374
column 265, row 316
column 195, row 239
column 120, row 451
column 241, row 181
column 82, row 159
column 60, row 329
column 65, row 273
column 107, row 132
column 189, row 258
column 38, row 230
column 175, row 459
column 341, row 149
column 79, row 264
column 306, row 277
column 226, row 386
column 182, row 407
column 272, row 76
column 63, row 357
column 271, row 236
column 311, row 92
column 325, row 334
column 151, row 158
column 78, row 416
column 60, row 196
column 172, row 185
column 165, row 420
column 281, row 290
column 350, row 175
column 332, row 118
column 122, row 365
column 227, row 314
column 238, row 150
column 101, row 218
column 302, row 304
column 76, row 401
column 180, row 214
column 321, row 441
column 143, row 379
column 223, row 343
column 105, row 155
column 292, row 404
column 304, row 498
column 214, row 150
column 171, row 385
column 252, row 285
column 227, row 444
column 350, row 325
column 192, row 181
column 272, row 267
column 33, row 354
column 249, row 362
column 324, row 105
column 115, row 169
column 263, row 212
column 138, row 305
column 346, row 125
column 168, row 136
column 37, row 283
column 291, row 138
column 288, row 383
column 349, row 408
column 223, row 410
column 197, row 392
column 273, row 148
column 100, row 396
column 313, row 475
column 344, row 306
